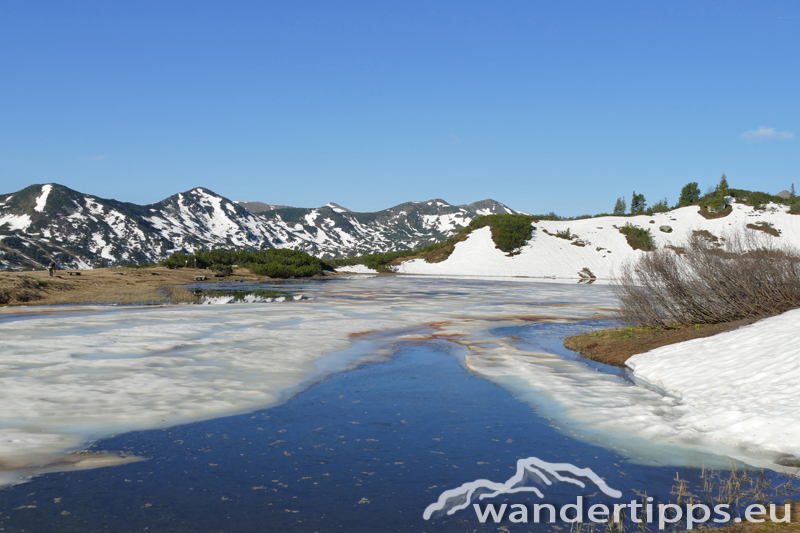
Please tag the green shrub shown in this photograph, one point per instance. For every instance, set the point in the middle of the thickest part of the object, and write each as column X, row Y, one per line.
column 509, row 232
column 275, row 263
column 277, row 270
column 658, row 207
column 638, row 238
column 715, row 201
column 756, row 198
column 564, row 234
column 379, row 262
column 176, row 260
column 225, row 270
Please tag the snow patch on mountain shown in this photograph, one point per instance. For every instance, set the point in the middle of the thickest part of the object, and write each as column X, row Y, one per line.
column 42, row 200
column 15, row 222
column 311, row 217
column 337, row 208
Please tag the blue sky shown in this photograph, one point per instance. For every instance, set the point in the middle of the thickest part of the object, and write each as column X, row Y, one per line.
column 559, row 106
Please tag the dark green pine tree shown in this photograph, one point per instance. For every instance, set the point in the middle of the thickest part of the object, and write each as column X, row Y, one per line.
column 620, row 206
column 723, row 184
column 638, row 203
column 689, row 194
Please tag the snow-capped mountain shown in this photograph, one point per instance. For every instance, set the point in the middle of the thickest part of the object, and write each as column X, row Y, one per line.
column 51, row 222
column 332, row 230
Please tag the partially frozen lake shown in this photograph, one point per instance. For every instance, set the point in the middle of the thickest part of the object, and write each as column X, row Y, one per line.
column 72, row 379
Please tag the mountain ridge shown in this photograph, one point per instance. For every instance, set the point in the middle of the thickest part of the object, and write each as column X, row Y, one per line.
column 258, row 208
column 45, row 222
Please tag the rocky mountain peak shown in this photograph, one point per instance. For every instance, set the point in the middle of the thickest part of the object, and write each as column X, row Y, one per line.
column 46, row 222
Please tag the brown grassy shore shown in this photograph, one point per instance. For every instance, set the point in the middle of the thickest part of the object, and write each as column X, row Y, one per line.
column 614, row 346
column 154, row 285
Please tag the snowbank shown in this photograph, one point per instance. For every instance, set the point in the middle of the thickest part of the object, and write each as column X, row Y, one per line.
column 598, row 245
column 357, row 269
column 740, row 388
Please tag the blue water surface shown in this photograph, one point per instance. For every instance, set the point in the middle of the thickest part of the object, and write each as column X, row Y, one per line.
column 363, row 450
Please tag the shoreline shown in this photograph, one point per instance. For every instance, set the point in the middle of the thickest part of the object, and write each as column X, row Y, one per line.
column 614, row 346
column 29, row 291
column 156, row 285
column 104, row 286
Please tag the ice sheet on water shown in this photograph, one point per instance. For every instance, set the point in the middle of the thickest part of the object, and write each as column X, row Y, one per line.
column 69, row 377
column 82, row 375
column 603, row 409
column 734, row 395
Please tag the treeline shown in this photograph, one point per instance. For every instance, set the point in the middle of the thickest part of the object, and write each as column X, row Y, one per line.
column 714, row 198
column 510, row 232
column 275, row 263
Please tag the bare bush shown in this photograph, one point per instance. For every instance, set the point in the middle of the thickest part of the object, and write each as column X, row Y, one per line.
column 747, row 276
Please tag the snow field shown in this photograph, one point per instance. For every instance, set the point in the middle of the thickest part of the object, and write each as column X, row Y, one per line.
column 741, row 388
column 603, row 249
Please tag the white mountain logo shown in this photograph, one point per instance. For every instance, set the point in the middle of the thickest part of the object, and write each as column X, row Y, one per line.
column 531, row 468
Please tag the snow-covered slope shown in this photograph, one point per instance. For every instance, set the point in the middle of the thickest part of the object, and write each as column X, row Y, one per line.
column 596, row 244
column 52, row 222
column 740, row 388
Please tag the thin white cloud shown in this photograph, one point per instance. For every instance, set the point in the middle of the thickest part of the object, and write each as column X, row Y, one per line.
column 767, row 134
column 455, row 139
column 93, row 157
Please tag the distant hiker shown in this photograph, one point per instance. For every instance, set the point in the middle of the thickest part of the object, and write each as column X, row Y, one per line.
column 51, row 267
